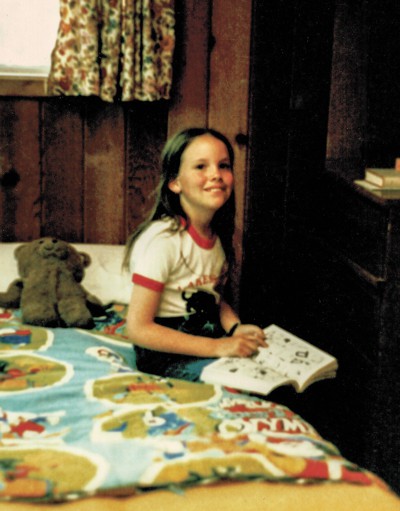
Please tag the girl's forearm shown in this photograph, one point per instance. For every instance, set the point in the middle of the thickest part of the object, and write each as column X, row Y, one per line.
column 228, row 316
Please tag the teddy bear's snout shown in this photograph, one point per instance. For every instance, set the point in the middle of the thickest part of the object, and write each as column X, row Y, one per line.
column 53, row 247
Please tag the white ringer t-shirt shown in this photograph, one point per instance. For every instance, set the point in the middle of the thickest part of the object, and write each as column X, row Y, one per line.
column 177, row 263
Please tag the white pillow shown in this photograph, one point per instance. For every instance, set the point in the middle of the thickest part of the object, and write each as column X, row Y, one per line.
column 8, row 265
column 103, row 278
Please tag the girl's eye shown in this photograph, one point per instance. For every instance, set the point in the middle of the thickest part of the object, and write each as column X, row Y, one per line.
column 200, row 166
column 226, row 166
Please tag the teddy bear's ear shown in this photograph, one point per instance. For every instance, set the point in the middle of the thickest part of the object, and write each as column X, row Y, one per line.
column 85, row 259
column 18, row 250
column 21, row 255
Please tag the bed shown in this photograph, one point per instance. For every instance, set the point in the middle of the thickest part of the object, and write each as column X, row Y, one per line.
column 82, row 429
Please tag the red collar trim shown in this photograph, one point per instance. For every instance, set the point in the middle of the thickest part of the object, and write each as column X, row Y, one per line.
column 201, row 241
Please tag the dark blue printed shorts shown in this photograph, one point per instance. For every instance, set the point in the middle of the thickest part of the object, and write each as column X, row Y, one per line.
column 173, row 365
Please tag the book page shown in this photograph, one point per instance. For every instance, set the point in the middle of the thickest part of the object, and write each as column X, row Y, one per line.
column 287, row 360
column 244, row 374
column 293, row 357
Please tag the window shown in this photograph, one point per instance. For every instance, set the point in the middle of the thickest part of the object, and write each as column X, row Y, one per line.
column 28, row 31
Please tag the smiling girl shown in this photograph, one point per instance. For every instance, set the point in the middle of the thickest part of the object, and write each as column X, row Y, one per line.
column 178, row 319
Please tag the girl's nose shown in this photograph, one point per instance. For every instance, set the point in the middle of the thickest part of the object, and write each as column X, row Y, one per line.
column 215, row 172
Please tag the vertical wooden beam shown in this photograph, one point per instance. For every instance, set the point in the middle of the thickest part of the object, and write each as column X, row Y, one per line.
column 147, row 125
column 191, row 65
column 19, row 170
column 229, row 93
column 62, row 190
column 269, row 127
column 104, row 174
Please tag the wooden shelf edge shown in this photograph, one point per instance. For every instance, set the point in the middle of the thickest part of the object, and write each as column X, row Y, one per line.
column 25, row 86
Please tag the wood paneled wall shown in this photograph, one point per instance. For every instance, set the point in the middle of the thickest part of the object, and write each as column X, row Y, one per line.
column 83, row 170
column 76, row 168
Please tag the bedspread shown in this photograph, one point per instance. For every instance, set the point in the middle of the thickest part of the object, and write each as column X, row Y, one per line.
column 77, row 419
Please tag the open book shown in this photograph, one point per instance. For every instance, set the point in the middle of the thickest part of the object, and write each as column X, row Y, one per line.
column 288, row 360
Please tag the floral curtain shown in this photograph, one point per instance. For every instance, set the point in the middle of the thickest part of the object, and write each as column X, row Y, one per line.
column 114, row 49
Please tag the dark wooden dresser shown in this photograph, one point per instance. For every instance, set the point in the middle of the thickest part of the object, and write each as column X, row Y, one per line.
column 348, row 269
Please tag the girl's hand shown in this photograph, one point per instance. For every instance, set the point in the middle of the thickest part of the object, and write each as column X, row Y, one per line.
column 244, row 343
column 254, row 330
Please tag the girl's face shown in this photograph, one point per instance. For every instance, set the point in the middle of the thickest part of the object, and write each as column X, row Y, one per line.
column 205, row 179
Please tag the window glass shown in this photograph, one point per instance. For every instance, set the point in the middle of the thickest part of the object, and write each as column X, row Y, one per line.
column 28, row 30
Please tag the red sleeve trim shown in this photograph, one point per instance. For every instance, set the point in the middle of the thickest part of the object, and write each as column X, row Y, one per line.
column 146, row 282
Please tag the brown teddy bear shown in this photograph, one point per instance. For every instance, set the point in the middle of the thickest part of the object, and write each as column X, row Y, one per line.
column 49, row 292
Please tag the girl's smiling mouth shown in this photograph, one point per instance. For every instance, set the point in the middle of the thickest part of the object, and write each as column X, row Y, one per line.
column 215, row 189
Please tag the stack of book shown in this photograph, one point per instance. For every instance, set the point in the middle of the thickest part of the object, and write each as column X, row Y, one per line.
column 381, row 179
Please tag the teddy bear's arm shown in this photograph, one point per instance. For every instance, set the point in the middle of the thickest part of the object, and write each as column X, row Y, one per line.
column 12, row 297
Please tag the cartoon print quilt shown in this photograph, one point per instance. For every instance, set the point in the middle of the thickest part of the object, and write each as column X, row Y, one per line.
column 77, row 419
